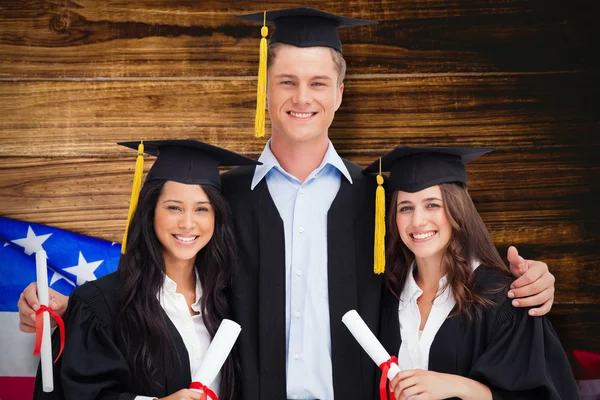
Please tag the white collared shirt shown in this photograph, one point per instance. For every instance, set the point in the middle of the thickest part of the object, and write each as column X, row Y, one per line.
column 415, row 347
column 303, row 207
column 191, row 327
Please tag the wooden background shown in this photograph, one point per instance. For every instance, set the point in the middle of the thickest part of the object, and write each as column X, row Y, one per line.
column 522, row 76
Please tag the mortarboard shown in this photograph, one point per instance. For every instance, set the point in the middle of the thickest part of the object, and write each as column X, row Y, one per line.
column 300, row 27
column 413, row 169
column 305, row 26
column 186, row 161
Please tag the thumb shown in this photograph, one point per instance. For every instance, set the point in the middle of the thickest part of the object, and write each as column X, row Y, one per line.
column 518, row 266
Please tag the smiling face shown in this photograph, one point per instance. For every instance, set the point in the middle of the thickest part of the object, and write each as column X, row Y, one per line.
column 422, row 223
column 184, row 221
column 303, row 93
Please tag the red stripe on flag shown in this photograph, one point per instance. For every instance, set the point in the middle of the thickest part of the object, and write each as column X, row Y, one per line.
column 16, row 387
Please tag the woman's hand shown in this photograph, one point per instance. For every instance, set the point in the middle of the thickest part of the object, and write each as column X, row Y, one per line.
column 185, row 394
column 29, row 303
column 428, row 385
column 419, row 384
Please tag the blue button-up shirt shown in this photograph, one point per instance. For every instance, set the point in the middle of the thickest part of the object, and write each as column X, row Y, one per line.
column 303, row 207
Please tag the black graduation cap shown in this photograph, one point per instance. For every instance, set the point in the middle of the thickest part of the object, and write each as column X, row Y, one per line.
column 415, row 168
column 305, row 26
column 188, row 161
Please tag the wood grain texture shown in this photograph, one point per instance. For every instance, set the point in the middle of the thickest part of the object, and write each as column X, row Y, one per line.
column 169, row 38
column 578, row 327
column 508, row 111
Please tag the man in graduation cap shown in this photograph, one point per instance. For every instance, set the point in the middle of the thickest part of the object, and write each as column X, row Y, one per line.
column 304, row 222
column 305, row 225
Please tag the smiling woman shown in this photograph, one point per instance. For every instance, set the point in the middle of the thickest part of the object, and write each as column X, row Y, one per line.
column 447, row 315
column 184, row 221
column 142, row 332
column 422, row 223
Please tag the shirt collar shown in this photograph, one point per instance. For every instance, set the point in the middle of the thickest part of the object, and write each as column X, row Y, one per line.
column 410, row 289
column 169, row 286
column 269, row 161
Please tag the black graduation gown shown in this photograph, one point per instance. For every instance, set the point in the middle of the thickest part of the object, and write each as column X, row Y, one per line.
column 93, row 364
column 517, row 356
column 258, row 302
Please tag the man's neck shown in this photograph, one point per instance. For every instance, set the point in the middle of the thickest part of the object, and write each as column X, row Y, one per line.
column 299, row 158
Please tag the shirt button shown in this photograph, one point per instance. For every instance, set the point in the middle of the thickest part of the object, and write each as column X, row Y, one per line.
column 296, row 356
column 294, row 396
column 301, row 229
column 297, row 314
column 301, row 191
column 299, row 272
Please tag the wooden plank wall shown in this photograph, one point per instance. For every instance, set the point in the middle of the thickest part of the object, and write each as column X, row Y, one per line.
column 519, row 75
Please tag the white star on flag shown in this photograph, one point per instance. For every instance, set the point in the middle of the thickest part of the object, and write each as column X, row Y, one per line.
column 57, row 277
column 31, row 243
column 6, row 244
column 84, row 271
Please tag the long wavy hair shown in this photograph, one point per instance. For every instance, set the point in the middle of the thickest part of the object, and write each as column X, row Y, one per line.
column 142, row 325
column 468, row 242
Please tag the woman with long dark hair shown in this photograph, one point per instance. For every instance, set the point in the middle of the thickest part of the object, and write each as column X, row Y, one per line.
column 447, row 315
column 142, row 331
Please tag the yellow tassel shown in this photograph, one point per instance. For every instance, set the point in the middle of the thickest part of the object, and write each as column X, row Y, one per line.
column 379, row 246
column 135, row 190
column 261, row 94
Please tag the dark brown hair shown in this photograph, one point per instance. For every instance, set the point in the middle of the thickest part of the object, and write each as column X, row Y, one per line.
column 469, row 241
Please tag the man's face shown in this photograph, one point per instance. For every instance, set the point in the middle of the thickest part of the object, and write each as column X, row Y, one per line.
column 302, row 93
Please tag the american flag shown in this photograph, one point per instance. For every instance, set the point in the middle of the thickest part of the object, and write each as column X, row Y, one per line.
column 73, row 259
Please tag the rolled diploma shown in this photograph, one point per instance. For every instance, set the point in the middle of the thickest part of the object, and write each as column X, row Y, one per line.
column 217, row 352
column 368, row 341
column 46, row 351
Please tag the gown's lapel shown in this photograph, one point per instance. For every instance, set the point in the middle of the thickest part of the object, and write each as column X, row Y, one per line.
column 345, row 353
column 271, row 301
column 389, row 325
column 179, row 377
column 443, row 355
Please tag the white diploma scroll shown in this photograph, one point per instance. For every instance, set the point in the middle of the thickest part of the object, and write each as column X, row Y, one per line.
column 368, row 341
column 217, row 352
column 46, row 349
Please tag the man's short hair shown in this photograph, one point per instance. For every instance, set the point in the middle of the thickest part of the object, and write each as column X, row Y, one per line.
column 338, row 60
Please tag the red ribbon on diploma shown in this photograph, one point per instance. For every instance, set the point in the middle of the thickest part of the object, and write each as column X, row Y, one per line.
column 385, row 367
column 205, row 389
column 39, row 328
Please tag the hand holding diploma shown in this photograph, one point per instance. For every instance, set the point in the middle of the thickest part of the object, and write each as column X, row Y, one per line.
column 215, row 357
column 372, row 347
column 43, row 342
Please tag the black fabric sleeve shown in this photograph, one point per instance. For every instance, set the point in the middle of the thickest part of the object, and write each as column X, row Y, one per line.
column 91, row 366
column 523, row 358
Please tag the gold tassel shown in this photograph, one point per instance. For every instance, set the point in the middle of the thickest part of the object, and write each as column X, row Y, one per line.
column 379, row 246
column 261, row 94
column 135, row 190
